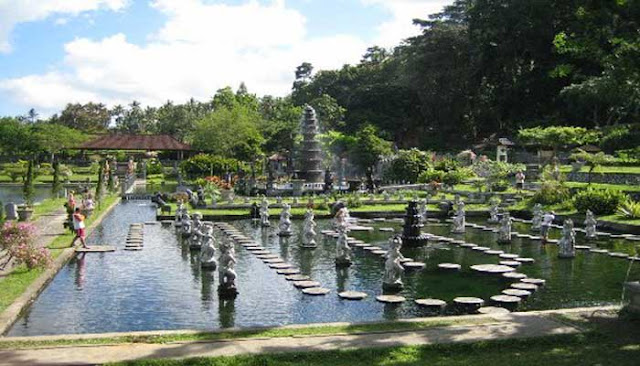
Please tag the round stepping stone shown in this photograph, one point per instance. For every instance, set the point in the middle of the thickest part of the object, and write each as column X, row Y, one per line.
column 552, row 241
column 413, row 265
column 534, row 281
column 431, row 303
column 386, row 229
column 316, row 291
column 255, row 249
column 516, row 292
column 297, row 277
column 352, row 295
column 273, row 260
column 405, row 260
column 362, row 245
column 480, row 249
column 514, row 275
column 508, row 256
column 280, row 265
column 306, row 284
column 598, row 251
column 466, row 301
column 458, row 242
column 450, row 266
column 288, row 271
column 372, row 248
column 261, row 252
column 493, row 252
column 534, row 237
column 618, row 255
column 267, row 256
column 524, row 286
column 133, row 248
column 391, row 299
column 492, row 268
column 525, row 260
column 379, row 252
column 634, row 259
column 582, row 247
column 506, row 299
column 493, row 310
column 510, row 263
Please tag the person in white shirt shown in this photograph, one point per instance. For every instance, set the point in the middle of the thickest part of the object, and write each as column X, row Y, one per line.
column 547, row 220
column 520, row 180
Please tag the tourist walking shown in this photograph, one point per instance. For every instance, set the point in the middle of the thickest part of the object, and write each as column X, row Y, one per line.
column 78, row 226
column 547, row 220
column 520, row 180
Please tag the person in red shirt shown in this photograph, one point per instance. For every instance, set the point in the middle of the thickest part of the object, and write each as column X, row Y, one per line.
column 78, row 225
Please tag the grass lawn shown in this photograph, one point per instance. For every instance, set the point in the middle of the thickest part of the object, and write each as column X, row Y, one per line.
column 48, row 206
column 621, row 187
column 605, row 169
column 49, row 178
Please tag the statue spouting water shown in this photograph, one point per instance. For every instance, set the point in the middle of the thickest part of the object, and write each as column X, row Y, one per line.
column 340, row 220
column 393, row 270
column 308, row 230
column 494, row 212
column 504, row 232
column 567, row 244
column 285, row 221
column 459, row 219
column 208, row 253
column 343, row 251
column 185, row 231
column 422, row 211
column 197, row 231
column 180, row 211
column 226, row 272
column 264, row 212
column 536, row 221
column 590, row 226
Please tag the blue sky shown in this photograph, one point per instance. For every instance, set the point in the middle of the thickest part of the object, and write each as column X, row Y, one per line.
column 53, row 52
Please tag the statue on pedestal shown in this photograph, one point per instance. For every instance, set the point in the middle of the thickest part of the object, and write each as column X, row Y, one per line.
column 343, row 251
column 186, row 226
column 536, row 221
column 180, row 211
column 264, row 212
column 197, row 232
column 504, row 232
column 567, row 244
column 285, row 221
column 494, row 211
column 308, row 230
column 459, row 219
column 208, row 253
column 386, row 196
column 590, row 226
column 227, row 273
column 393, row 270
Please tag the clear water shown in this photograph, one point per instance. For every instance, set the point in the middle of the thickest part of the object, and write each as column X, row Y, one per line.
column 163, row 287
column 14, row 194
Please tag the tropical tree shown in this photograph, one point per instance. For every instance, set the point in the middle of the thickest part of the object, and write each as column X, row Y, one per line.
column 368, row 150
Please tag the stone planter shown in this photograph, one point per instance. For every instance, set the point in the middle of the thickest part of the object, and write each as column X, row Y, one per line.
column 24, row 213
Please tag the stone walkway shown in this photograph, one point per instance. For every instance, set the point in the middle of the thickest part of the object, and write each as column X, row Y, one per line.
column 517, row 325
column 49, row 227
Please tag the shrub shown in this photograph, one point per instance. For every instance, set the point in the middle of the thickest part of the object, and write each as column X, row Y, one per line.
column 499, row 185
column 431, row 175
column 446, row 164
column 550, row 193
column 621, row 137
column 17, row 239
column 629, row 209
column 599, row 201
column 456, row 176
column 408, row 165
column 203, row 165
column 154, row 167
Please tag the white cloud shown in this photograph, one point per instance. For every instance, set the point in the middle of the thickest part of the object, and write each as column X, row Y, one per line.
column 14, row 12
column 200, row 48
column 400, row 26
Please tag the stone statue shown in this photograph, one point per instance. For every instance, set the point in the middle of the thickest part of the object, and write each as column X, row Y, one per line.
column 459, row 219
column 197, row 232
column 340, row 220
column 186, row 226
column 343, row 251
column 180, row 211
column 590, row 226
column 264, row 212
column 393, row 269
column 279, row 200
column 200, row 193
column 504, row 232
column 423, row 211
column 285, row 221
column 226, row 272
column 567, row 244
column 208, row 253
column 493, row 213
column 308, row 230
column 386, row 196
column 395, row 244
column 536, row 221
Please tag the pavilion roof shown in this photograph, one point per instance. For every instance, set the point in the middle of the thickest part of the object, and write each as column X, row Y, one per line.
column 135, row 142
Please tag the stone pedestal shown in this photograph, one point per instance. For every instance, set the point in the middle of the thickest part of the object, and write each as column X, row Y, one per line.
column 11, row 211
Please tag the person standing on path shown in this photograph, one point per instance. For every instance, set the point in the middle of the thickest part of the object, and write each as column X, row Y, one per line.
column 520, row 180
column 78, row 226
column 547, row 220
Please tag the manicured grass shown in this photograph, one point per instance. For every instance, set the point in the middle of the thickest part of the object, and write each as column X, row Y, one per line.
column 315, row 330
column 48, row 206
column 591, row 349
column 620, row 187
column 605, row 169
column 49, row 178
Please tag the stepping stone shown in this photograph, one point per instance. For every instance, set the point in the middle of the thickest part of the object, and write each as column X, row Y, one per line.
column 618, row 255
column 280, row 265
column 255, row 249
column 510, row 263
column 493, row 252
column 413, row 265
column 492, row 268
column 493, row 310
column 582, row 247
column 406, row 259
column 552, row 241
column 514, row 275
column 352, row 295
column 267, row 256
column 166, row 222
column 379, row 219
column 297, row 277
column 316, row 291
column 362, row 245
column 524, row 286
column 372, row 248
column 533, row 237
column 306, row 284
column 96, row 249
column 379, row 252
column 525, row 260
column 534, row 281
column 391, row 299
column 466, row 301
column 634, row 259
column 634, row 238
column 516, row 292
column 480, row 249
column 617, row 236
column 598, row 251
column 458, row 242
column 386, row 229
column 288, row 271
column 273, row 260
column 509, row 256
column 450, row 266
column 506, row 299
column 152, row 223
column 133, row 248
column 261, row 252
column 431, row 303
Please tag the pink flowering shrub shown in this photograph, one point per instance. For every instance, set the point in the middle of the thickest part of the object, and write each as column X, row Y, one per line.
column 17, row 239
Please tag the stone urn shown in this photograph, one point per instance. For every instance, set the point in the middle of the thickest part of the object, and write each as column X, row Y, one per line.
column 25, row 213
column 633, row 294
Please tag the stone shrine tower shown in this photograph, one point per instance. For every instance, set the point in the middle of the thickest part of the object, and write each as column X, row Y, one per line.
column 310, row 154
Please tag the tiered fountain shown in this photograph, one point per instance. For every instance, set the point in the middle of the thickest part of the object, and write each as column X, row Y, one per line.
column 411, row 234
column 310, row 153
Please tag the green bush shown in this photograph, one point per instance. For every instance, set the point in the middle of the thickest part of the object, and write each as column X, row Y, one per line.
column 203, row 165
column 408, row 165
column 154, row 167
column 629, row 209
column 550, row 193
column 446, row 164
column 599, row 201
column 456, row 176
column 621, row 137
column 500, row 185
column 431, row 175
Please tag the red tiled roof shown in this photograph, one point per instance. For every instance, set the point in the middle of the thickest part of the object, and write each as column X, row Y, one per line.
column 135, row 142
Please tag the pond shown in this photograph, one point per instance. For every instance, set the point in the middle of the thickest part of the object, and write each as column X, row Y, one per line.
column 14, row 194
column 163, row 286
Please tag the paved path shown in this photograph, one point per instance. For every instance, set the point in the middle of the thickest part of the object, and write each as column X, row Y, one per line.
column 49, row 227
column 521, row 325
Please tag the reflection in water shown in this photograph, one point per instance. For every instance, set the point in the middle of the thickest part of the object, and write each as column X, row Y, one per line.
column 306, row 260
column 227, row 312
column 390, row 311
column 342, row 274
column 284, row 247
column 207, row 284
column 80, row 271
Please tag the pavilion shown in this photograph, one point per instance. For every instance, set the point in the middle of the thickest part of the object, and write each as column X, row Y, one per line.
column 137, row 142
